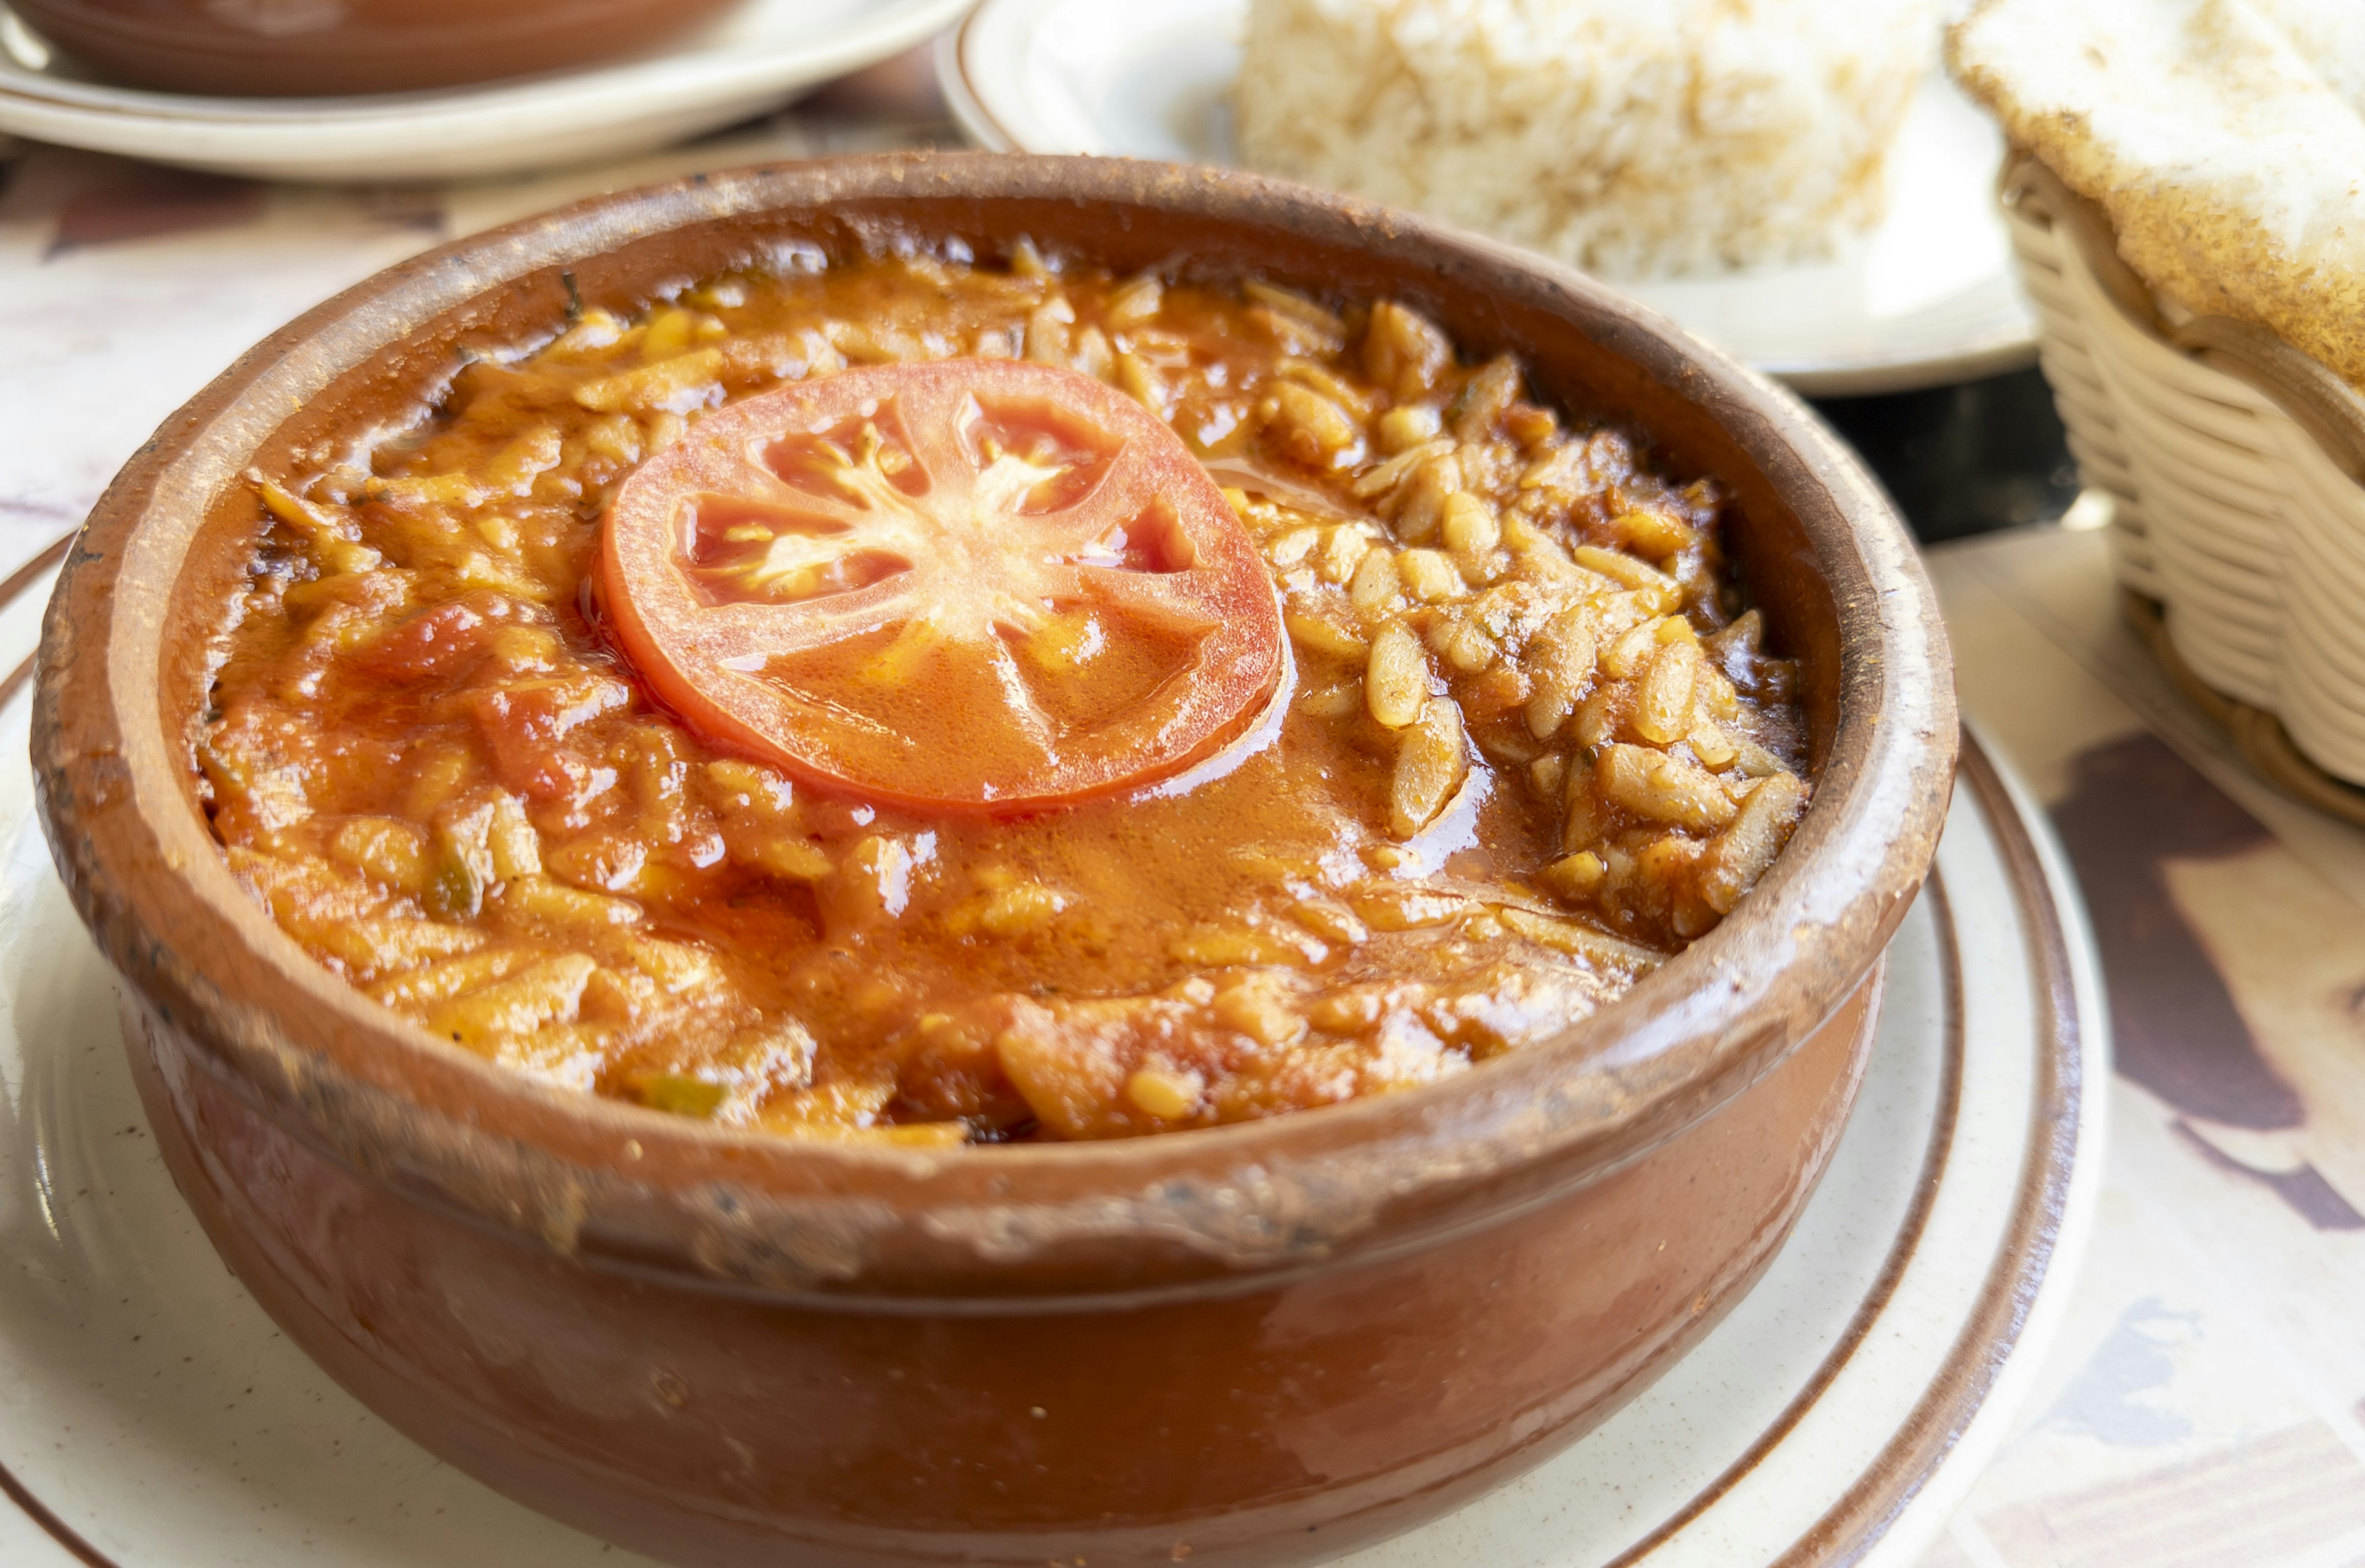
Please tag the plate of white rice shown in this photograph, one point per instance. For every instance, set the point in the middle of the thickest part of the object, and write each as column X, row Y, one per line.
column 1791, row 179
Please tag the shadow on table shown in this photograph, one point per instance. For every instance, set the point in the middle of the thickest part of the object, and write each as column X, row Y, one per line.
column 1965, row 459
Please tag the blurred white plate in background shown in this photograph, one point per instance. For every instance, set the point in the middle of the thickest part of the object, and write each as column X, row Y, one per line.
column 750, row 60
column 1926, row 298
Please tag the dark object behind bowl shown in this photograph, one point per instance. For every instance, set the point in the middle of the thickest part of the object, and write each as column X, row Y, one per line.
column 319, row 47
column 1264, row 1343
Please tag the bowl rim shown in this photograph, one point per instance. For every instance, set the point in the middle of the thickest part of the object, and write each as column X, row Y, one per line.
column 637, row 1189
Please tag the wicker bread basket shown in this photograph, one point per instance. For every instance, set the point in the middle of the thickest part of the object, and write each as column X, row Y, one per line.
column 2236, row 464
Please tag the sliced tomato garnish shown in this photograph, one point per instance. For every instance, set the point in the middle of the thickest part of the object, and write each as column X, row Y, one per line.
column 964, row 584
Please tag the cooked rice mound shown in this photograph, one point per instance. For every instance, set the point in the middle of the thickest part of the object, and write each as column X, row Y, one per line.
column 1635, row 139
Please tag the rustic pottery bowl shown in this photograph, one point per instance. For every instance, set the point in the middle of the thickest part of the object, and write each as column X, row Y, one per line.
column 307, row 48
column 1263, row 1343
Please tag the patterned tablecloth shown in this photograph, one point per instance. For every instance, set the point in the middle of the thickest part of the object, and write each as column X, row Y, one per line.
column 2206, row 1406
column 2206, row 1403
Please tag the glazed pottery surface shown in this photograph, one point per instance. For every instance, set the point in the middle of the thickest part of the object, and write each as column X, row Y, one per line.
column 1254, row 1344
column 307, row 48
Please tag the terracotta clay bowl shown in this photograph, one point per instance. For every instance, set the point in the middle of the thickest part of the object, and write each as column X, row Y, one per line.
column 1263, row 1343
column 308, row 47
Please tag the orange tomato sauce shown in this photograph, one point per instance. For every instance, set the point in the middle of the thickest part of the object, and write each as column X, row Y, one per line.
column 1527, row 744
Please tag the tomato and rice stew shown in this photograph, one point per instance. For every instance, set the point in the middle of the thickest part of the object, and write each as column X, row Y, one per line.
column 887, row 695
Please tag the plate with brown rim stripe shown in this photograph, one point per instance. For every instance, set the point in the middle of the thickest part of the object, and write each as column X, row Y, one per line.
column 151, row 1415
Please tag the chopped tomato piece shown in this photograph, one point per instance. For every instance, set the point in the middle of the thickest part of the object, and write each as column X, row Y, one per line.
column 434, row 642
column 525, row 724
column 980, row 584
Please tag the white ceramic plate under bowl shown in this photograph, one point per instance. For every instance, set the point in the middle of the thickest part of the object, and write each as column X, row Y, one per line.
column 151, row 1416
column 750, row 60
column 1926, row 298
